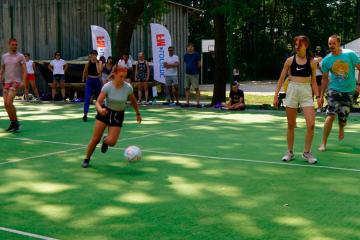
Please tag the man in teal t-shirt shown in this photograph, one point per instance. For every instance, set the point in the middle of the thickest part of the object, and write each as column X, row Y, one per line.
column 341, row 64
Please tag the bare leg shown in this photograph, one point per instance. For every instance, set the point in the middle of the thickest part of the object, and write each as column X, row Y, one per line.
column 98, row 131
column 291, row 114
column 309, row 114
column 53, row 89
column 33, row 85
column 62, row 86
column 327, row 129
column 341, row 130
column 197, row 96
column 187, row 95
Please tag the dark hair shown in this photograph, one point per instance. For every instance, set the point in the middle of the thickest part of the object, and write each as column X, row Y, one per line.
column 102, row 58
column 337, row 37
column 56, row 53
column 93, row 52
column 27, row 54
column 190, row 44
column 234, row 83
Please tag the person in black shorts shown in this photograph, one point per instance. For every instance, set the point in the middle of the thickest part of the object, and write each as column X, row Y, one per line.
column 110, row 106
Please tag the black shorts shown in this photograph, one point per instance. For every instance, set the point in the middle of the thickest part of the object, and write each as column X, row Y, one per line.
column 112, row 118
column 318, row 80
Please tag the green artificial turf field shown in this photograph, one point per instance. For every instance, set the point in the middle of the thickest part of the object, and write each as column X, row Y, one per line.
column 204, row 174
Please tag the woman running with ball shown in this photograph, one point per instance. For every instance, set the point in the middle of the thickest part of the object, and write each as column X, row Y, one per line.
column 110, row 107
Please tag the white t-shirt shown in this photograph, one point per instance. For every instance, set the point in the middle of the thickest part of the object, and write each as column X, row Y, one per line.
column 171, row 60
column 29, row 67
column 13, row 67
column 318, row 66
column 127, row 65
column 58, row 66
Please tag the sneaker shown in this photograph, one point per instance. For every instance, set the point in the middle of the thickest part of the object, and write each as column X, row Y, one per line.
column 85, row 163
column 318, row 110
column 17, row 127
column 309, row 157
column 11, row 127
column 85, row 118
column 104, row 146
column 288, row 157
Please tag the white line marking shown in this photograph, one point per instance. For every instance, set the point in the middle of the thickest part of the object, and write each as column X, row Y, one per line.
column 26, row 234
column 43, row 155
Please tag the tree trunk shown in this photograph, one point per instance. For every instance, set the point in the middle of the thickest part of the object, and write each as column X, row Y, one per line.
column 127, row 26
column 221, row 61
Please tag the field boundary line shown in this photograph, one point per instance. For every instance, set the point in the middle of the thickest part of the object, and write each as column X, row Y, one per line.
column 42, row 155
column 26, row 234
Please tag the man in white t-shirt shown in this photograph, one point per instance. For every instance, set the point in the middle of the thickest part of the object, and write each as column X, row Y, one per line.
column 58, row 67
column 12, row 77
column 171, row 65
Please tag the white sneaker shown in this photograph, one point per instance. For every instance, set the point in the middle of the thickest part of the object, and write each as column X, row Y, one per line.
column 288, row 156
column 309, row 157
column 318, row 110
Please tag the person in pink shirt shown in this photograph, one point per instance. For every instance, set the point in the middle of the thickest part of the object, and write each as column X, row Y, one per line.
column 12, row 77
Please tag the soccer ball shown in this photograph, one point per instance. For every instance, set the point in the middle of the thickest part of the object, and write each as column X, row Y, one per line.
column 132, row 154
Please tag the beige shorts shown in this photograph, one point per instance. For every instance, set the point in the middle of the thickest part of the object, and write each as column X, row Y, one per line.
column 191, row 80
column 299, row 94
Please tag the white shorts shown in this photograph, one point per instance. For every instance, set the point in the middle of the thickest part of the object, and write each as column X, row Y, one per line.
column 299, row 94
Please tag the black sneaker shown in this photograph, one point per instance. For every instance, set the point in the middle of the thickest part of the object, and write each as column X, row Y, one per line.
column 85, row 163
column 16, row 127
column 85, row 118
column 11, row 127
column 104, row 146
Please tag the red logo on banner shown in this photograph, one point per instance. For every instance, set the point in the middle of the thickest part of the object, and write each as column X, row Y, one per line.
column 100, row 42
column 160, row 40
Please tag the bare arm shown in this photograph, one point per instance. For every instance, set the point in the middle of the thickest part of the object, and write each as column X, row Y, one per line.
column 280, row 82
column 147, row 71
column 2, row 70
column 136, row 107
column 23, row 72
column 99, row 102
column 314, row 83
column 358, row 81
column 66, row 67
column 85, row 72
column 51, row 67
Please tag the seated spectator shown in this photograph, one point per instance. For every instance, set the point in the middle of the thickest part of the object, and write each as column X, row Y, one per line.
column 236, row 99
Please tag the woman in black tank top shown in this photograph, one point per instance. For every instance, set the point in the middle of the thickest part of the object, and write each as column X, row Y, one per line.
column 93, row 84
column 300, row 91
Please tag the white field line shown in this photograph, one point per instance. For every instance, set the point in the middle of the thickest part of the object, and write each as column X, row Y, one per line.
column 26, row 234
column 42, row 155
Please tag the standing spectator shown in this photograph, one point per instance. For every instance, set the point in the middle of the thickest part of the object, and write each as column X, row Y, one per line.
column 236, row 99
column 318, row 59
column 193, row 63
column 106, row 70
column 302, row 85
column 171, row 65
column 340, row 88
column 236, row 74
column 91, row 77
column 30, row 77
column 12, row 76
column 142, row 73
column 58, row 67
column 126, row 62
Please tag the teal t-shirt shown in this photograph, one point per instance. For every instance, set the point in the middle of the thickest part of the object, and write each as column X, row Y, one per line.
column 342, row 70
column 116, row 97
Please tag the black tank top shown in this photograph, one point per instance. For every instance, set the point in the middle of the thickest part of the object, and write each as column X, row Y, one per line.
column 300, row 70
column 92, row 69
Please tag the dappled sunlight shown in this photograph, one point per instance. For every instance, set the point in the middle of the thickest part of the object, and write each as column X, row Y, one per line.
column 54, row 212
column 225, row 190
column 19, row 173
column 244, row 224
column 138, row 197
column 46, row 187
column 344, row 185
column 178, row 160
column 113, row 211
column 295, row 221
column 111, row 186
column 185, row 188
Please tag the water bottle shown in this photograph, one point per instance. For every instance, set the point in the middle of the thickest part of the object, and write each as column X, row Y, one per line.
column 75, row 96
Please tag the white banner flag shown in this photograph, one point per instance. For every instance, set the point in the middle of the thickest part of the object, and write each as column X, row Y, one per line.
column 101, row 41
column 161, row 40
